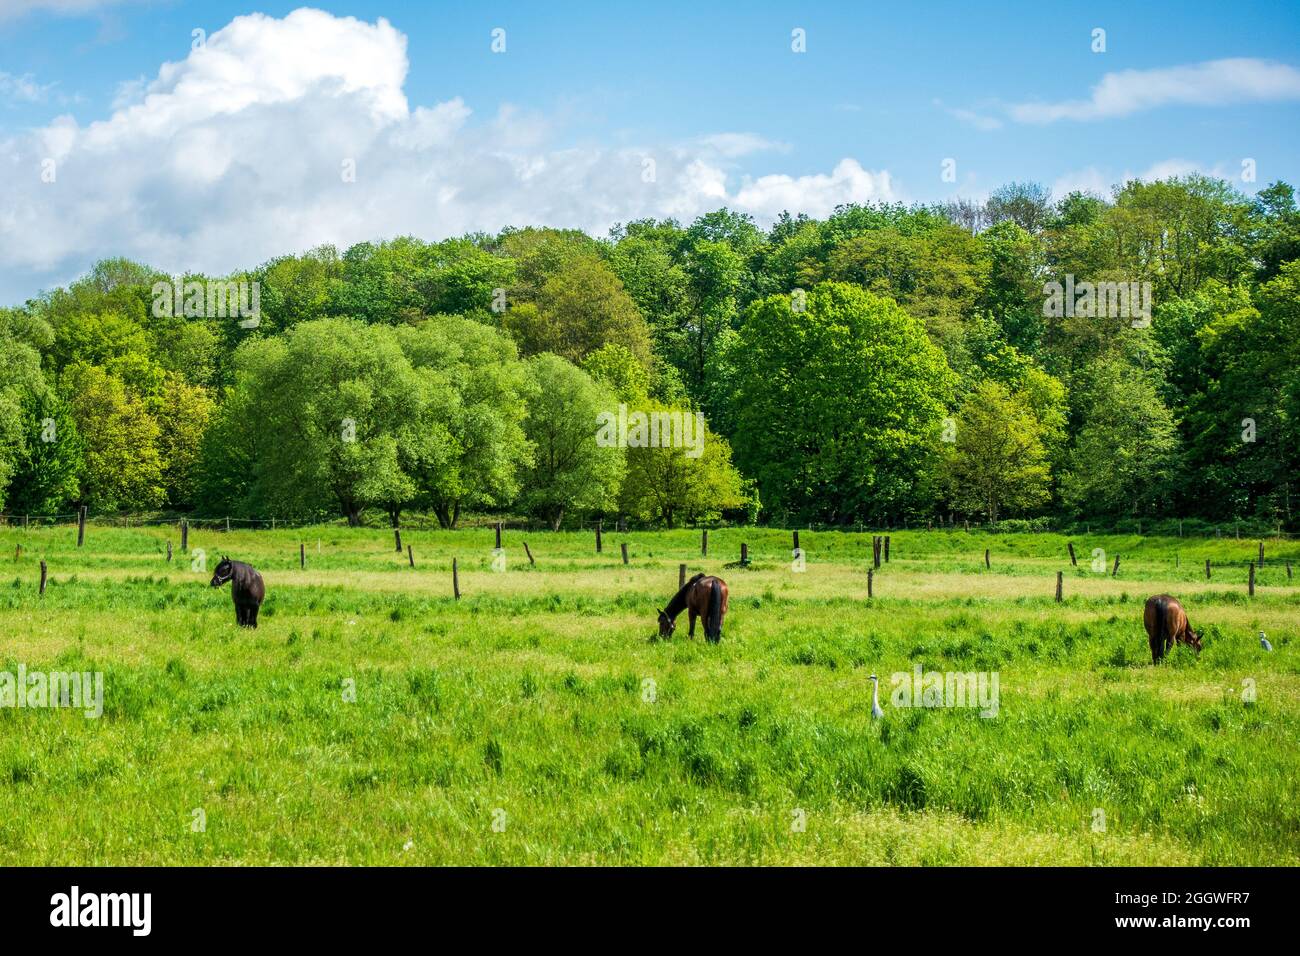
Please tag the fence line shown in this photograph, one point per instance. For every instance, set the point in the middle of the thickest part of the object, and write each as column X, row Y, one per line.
column 418, row 521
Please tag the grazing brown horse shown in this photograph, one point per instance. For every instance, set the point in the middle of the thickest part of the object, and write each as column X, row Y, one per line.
column 704, row 596
column 1167, row 624
column 246, row 589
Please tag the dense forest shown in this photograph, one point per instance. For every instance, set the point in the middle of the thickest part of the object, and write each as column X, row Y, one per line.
column 887, row 363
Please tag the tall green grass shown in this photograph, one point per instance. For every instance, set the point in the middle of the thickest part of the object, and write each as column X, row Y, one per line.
column 372, row 718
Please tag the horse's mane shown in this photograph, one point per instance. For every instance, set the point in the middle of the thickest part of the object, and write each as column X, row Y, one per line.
column 678, row 603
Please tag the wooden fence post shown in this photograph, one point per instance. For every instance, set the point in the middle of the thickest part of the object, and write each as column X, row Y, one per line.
column 1288, row 570
column 598, row 544
column 410, row 555
column 1252, row 579
column 875, row 551
column 1060, row 584
column 1073, row 562
column 623, row 546
column 397, row 540
column 796, row 540
column 986, row 559
column 704, row 543
column 185, row 536
column 744, row 555
column 870, row 589
column 42, row 577
column 1261, row 554
column 886, row 549
column 169, row 552
column 302, row 555
column 227, row 524
column 455, row 579
column 1115, row 570
column 18, row 552
column 81, row 526
column 1207, row 569
column 529, row 553
column 498, row 529
column 681, row 576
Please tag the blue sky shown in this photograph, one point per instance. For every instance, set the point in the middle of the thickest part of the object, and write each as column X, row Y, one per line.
column 558, row 128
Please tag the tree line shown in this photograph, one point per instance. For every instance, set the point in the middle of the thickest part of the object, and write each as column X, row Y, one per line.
column 888, row 361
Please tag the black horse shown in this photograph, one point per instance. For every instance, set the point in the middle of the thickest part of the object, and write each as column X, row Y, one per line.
column 246, row 589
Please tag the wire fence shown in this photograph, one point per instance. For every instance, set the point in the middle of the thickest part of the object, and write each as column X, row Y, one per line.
column 1245, row 530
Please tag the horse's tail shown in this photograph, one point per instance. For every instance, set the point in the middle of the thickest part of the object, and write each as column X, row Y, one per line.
column 713, row 623
column 1161, row 615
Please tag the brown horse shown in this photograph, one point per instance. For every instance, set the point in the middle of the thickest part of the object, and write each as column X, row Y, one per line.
column 704, row 596
column 1167, row 624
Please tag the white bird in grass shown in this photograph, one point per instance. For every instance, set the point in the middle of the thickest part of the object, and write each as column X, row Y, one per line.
column 1263, row 642
column 876, row 712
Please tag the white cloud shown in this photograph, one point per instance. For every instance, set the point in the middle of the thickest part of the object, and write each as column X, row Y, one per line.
column 735, row 145
column 236, row 154
column 817, row 195
column 21, row 89
column 1214, row 83
column 1101, row 183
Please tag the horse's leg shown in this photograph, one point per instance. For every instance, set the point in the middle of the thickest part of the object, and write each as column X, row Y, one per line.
column 693, row 616
column 252, row 615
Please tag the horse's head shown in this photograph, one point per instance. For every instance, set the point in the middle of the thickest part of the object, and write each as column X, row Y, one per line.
column 1193, row 639
column 666, row 624
column 224, row 572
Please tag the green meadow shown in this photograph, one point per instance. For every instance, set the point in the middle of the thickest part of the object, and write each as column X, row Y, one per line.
column 373, row 718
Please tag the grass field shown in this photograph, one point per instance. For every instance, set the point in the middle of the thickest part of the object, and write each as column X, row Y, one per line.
column 534, row 721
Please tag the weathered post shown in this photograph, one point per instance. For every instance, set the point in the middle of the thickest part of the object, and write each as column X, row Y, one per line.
column 796, row 540
column 302, row 555
column 185, row 536
column 81, row 526
column 623, row 546
column 410, row 555
column 598, row 544
column 986, row 559
column 1060, row 584
column 875, row 551
column 529, row 553
column 870, row 589
column 455, row 579
column 744, row 555
column 1115, row 570
column 886, row 549
column 498, row 529
column 227, row 524
column 397, row 540
column 1073, row 561
column 169, row 552
column 42, row 577
column 1251, row 586
column 681, row 576
column 18, row 552
column 1207, row 569
column 1261, row 554
column 704, row 543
